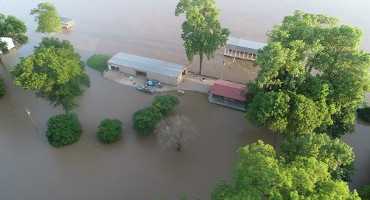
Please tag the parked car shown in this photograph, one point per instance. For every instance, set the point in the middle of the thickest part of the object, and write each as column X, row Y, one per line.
column 145, row 89
column 153, row 83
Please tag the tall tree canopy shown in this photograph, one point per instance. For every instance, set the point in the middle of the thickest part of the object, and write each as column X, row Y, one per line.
column 336, row 154
column 202, row 32
column 3, row 47
column 47, row 17
column 54, row 72
column 262, row 174
column 14, row 28
column 313, row 77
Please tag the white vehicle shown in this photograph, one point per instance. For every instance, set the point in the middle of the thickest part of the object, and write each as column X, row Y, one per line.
column 9, row 43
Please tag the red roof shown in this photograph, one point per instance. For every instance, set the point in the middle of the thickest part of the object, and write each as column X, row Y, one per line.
column 229, row 89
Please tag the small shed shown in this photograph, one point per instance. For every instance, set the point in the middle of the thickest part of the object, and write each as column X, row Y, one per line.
column 242, row 49
column 8, row 41
column 67, row 23
column 165, row 72
column 228, row 94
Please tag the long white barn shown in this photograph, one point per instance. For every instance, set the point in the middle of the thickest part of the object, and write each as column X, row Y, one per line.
column 162, row 71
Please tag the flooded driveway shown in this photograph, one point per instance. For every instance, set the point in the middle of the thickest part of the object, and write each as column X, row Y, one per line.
column 137, row 168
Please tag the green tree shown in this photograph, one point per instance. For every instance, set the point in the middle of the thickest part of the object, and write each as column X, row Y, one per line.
column 364, row 192
column 336, row 154
column 63, row 130
column 262, row 174
column 146, row 120
column 202, row 31
column 165, row 104
column 364, row 113
column 47, row 17
column 54, row 72
column 14, row 28
column 3, row 47
column 2, row 88
column 316, row 67
column 109, row 131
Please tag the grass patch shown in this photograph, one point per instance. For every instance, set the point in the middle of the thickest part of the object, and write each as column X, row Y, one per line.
column 98, row 62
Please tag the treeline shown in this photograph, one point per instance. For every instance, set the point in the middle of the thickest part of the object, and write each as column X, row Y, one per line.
column 313, row 78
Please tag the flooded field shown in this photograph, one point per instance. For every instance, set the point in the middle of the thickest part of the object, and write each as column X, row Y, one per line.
column 136, row 168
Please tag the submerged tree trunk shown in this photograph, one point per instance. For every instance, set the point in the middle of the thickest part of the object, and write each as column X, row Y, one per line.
column 200, row 63
column 179, row 141
column 178, row 146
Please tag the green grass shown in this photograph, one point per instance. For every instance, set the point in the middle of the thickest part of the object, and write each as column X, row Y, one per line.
column 98, row 62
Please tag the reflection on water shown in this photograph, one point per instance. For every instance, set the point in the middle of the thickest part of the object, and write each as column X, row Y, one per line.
column 137, row 168
column 149, row 28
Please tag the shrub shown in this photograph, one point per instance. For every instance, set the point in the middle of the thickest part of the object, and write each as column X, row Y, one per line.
column 165, row 104
column 364, row 192
column 146, row 120
column 21, row 39
column 364, row 114
column 2, row 88
column 98, row 62
column 109, row 131
column 63, row 130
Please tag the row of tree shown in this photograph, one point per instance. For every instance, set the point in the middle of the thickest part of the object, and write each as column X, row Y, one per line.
column 45, row 14
column 14, row 28
column 65, row 129
column 54, row 72
column 313, row 78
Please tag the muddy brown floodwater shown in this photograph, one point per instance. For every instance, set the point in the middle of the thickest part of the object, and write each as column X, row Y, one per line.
column 137, row 168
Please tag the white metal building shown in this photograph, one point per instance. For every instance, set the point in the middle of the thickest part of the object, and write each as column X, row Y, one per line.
column 67, row 23
column 8, row 41
column 162, row 71
column 242, row 49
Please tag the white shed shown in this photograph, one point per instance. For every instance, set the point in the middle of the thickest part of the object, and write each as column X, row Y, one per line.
column 242, row 49
column 67, row 23
column 162, row 71
column 8, row 41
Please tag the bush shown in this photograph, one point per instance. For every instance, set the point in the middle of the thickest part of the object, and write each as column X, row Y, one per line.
column 146, row 120
column 98, row 62
column 364, row 114
column 63, row 130
column 364, row 192
column 21, row 39
column 109, row 131
column 2, row 88
column 165, row 104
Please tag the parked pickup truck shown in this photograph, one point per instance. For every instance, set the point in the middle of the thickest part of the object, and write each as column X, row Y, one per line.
column 145, row 89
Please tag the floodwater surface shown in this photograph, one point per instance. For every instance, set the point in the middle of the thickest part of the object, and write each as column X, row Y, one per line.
column 138, row 168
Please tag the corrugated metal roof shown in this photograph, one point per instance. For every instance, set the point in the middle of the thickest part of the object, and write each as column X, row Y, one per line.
column 229, row 89
column 244, row 45
column 144, row 64
column 65, row 20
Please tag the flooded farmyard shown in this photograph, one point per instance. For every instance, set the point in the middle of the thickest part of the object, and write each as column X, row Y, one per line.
column 138, row 168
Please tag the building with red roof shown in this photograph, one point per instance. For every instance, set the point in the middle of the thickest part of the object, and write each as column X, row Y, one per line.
column 228, row 94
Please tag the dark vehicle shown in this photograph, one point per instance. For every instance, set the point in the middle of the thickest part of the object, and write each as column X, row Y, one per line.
column 145, row 89
column 153, row 83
